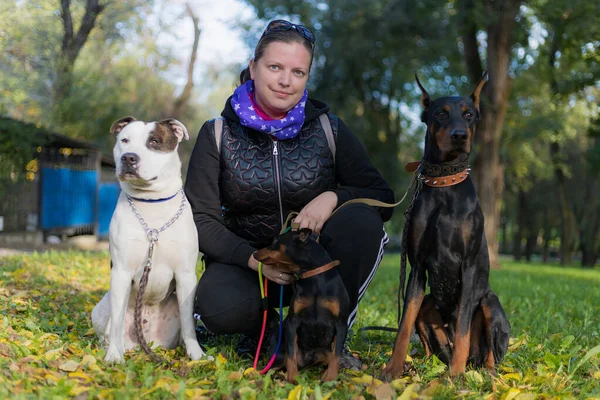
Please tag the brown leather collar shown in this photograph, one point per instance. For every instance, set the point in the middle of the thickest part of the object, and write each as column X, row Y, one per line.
column 439, row 181
column 444, row 181
column 319, row 270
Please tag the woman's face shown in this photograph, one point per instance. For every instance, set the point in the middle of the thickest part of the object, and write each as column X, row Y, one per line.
column 280, row 77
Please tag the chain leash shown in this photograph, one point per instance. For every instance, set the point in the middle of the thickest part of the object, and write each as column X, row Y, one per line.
column 402, row 291
column 152, row 235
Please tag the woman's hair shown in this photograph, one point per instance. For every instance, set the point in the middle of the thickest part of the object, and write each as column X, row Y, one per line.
column 289, row 36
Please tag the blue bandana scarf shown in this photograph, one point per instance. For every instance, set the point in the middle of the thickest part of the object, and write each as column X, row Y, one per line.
column 285, row 128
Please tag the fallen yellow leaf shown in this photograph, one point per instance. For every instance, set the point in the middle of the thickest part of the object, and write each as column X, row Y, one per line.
column 384, row 392
column 399, row 384
column 513, row 376
column 247, row 393
column 295, row 393
column 221, row 360
column 234, row 376
column 511, row 394
column 474, row 376
column 87, row 360
column 69, row 366
column 80, row 375
column 77, row 390
column 364, row 380
column 409, row 392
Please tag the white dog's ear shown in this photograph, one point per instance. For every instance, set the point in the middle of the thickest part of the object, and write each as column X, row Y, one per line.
column 119, row 124
column 177, row 127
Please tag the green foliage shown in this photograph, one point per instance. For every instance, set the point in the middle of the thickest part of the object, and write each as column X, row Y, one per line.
column 18, row 143
column 49, row 349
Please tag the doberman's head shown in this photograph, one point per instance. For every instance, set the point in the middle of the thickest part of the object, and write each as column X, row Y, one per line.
column 294, row 252
column 450, row 123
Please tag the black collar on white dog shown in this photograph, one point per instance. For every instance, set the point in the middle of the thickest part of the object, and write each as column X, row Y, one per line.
column 153, row 200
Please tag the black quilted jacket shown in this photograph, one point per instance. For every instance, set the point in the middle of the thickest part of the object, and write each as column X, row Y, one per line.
column 241, row 195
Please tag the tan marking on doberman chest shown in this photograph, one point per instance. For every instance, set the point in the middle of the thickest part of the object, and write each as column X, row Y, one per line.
column 467, row 231
column 333, row 305
column 300, row 303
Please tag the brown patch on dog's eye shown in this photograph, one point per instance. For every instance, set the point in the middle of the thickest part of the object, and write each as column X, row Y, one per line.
column 162, row 139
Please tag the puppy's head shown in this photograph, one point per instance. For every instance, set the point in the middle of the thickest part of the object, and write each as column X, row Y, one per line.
column 294, row 252
column 146, row 153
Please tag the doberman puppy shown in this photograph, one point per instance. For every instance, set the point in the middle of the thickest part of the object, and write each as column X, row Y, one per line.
column 461, row 320
column 316, row 325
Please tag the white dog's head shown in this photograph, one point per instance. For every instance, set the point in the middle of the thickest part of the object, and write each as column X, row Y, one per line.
column 146, row 153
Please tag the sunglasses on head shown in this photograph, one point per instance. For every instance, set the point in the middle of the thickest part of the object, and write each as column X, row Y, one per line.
column 283, row 25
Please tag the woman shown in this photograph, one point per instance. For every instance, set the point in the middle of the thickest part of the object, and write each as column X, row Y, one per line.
column 274, row 158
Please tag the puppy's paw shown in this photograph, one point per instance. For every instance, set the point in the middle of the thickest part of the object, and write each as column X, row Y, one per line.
column 113, row 355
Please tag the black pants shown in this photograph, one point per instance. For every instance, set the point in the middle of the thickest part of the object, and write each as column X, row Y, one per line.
column 228, row 296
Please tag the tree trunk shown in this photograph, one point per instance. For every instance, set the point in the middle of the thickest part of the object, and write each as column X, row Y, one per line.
column 546, row 238
column 530, row 245
column 589, row 225
column 504, row 236
column 182, row 101
column 488, row 171
column 522, row 225
column 71, row 46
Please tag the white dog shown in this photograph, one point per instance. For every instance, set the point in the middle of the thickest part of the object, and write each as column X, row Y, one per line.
column 149, row 172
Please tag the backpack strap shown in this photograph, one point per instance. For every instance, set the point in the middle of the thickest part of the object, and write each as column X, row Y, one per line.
column 323, row 118
column 326, row 124
column 218, row 132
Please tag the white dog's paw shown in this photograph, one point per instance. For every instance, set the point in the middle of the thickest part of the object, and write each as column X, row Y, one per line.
column 113, row 355
column 193, row 350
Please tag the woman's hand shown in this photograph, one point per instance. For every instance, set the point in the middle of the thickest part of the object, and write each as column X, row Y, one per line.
column 271, row 272
column 316, row 213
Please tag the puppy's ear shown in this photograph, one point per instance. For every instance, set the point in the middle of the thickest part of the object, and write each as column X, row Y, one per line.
column 119, row 124
column 303, row 235
column 176, row 127
column 475, row 96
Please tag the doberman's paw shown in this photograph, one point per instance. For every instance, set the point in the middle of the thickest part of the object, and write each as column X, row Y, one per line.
column 392, row 372
column 329, row 375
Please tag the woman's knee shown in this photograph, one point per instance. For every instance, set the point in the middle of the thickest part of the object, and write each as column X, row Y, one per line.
column 225, row 302
column 355, row 218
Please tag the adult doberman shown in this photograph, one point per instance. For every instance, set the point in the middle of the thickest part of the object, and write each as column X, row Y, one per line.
column 461, row 321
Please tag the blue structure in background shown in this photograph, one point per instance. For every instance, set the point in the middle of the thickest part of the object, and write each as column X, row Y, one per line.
column 71, row 188
column 68, row 198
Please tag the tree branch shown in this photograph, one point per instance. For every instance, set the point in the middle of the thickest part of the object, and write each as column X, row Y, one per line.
column 67, row 24
column 182, row 100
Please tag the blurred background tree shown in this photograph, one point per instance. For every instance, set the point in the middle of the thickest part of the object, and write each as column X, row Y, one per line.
column 536, row 158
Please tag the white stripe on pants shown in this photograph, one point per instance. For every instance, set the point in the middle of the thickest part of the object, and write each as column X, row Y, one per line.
column 384, row 240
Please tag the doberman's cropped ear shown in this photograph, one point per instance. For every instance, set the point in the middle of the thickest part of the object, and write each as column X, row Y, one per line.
column 176, row 127
column 425, row 99
column 119, row 124
column 303, row 235
column 475, row 96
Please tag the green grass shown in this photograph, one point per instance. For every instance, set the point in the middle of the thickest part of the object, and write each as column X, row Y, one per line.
column 48, row 349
